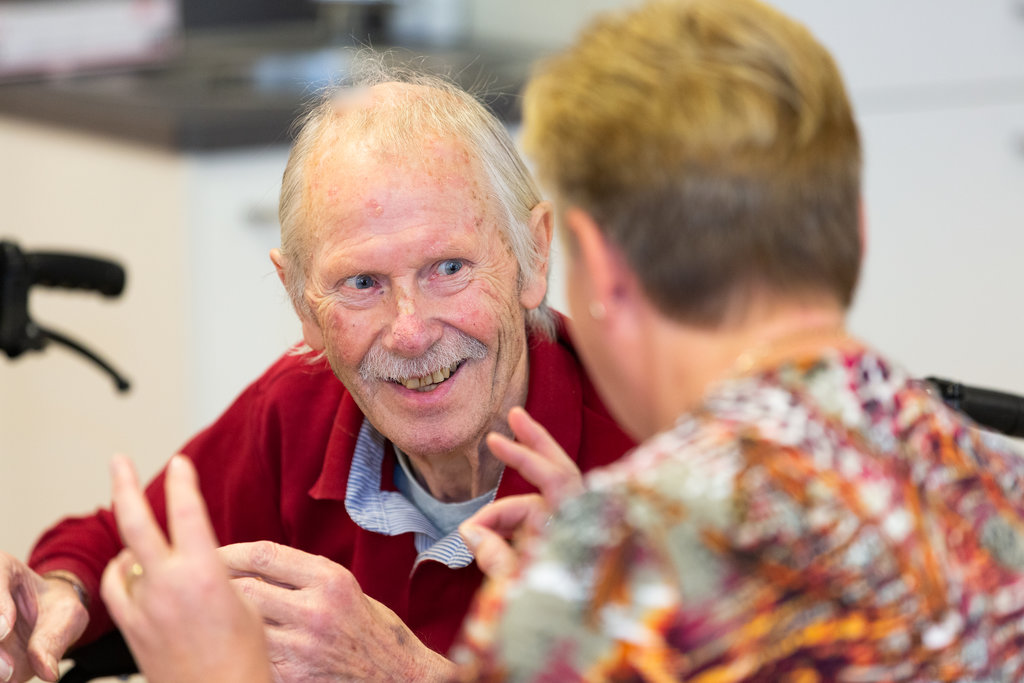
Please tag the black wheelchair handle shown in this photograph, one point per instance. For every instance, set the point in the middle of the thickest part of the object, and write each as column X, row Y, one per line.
column 74, row 271
column 20, row 271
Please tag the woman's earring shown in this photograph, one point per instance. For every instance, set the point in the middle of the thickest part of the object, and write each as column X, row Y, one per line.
column 597, row 310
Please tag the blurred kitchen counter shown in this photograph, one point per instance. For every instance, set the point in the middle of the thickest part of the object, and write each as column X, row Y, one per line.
column 241, row 88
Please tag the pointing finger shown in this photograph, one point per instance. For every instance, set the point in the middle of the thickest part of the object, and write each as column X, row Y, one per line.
column 187, row 518
column 506, row 516
column 135, row 520
column 494, row 556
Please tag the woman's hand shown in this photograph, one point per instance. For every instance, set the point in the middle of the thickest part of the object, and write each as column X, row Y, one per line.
column 172, row 600
column 543, row 463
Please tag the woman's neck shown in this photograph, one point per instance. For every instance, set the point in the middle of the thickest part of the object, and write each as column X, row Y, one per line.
column 693, row 359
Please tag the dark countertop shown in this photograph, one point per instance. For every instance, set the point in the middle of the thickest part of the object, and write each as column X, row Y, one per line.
column 241, row 89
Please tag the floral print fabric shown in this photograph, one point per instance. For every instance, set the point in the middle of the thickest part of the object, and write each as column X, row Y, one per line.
column 826, row 519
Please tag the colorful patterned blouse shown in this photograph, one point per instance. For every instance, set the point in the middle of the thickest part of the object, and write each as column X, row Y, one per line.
column 823, row 520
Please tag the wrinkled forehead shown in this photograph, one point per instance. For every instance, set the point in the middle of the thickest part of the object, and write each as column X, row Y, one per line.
column 352, row 183
column 393, row 121
column 345, row 158
column 382, row 131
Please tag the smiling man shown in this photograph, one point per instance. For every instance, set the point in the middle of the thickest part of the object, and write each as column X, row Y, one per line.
column 414, row 247
column 416, row 299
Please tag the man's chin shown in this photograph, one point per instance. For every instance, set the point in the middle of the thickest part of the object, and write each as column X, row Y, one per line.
column 433, row 440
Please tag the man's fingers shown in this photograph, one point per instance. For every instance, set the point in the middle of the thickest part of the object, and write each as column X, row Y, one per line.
column 6, row 665
column 274, row 603
column 54, row 632
column 518, row 456
column 139, row 529
column 494, row 556
column 278, row 564
column 187, row 519
column 8, row 610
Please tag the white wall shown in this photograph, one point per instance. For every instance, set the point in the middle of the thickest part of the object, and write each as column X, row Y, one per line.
column 938, row 88
column 202, row 313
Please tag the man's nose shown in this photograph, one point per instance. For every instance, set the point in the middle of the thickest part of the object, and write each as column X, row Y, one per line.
column 413, row 329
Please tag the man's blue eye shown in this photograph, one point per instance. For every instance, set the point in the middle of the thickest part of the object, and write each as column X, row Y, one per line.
column 362, row 281
column 449, row 267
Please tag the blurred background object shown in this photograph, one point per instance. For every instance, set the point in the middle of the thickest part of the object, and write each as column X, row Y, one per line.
column 63, row 37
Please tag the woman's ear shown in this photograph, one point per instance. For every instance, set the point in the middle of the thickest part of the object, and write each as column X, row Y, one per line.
column 600, row 262
column 613, row 293
column 311, row 333
column 535, row 283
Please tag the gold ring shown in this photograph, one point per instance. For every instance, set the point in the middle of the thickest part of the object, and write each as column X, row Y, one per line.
column 135, row 572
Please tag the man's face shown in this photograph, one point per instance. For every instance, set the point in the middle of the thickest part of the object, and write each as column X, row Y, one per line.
column 412, row 285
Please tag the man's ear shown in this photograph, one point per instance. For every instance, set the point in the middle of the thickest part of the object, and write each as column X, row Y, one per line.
column 311, row 333
column 535, row 284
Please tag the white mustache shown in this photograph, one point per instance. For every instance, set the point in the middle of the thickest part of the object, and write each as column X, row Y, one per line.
column 379, row 364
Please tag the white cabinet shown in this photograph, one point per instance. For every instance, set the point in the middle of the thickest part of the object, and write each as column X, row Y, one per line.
column 938, row 86
column 241, row 316
column 202, row 314
column 943, row 279
column 888, row 45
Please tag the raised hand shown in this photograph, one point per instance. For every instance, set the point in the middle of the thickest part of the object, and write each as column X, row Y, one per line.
column 537, row 456
column 172, row 599
column 543, row 463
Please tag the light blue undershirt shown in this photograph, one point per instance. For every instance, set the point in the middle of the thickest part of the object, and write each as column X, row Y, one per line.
column 434, row 526
column 446, row 516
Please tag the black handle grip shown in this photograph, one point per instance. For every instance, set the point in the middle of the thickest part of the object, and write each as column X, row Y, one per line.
column 996, row 410
column 72, row 271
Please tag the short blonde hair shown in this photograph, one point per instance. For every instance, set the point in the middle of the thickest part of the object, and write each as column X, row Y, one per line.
column 713, row 142
column 433, row 106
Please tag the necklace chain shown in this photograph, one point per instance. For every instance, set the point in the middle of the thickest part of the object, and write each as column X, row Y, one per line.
column 799, row 342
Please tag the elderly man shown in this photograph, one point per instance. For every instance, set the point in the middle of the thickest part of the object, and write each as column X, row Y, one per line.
column 414, row 246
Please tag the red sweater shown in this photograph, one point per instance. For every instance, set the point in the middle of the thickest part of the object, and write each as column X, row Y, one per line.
column 275, row 467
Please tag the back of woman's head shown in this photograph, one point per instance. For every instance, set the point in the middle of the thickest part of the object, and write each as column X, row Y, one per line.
column 714, row 143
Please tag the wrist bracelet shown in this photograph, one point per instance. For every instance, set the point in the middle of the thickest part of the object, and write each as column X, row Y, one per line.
column 72, row 580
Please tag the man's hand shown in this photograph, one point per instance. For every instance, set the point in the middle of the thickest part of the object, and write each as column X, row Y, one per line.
column 39, row 619
column 172, row 600
column 319, row 623
column 543, row 463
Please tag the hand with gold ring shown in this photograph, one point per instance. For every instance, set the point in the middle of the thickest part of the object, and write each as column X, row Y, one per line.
column 134, row 573
column 540, row 460
column 171, row 598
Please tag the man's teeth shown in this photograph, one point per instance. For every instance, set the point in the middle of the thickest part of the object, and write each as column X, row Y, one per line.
column 436, row 377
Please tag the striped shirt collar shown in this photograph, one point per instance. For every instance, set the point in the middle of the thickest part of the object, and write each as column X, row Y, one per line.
column 389, row 512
